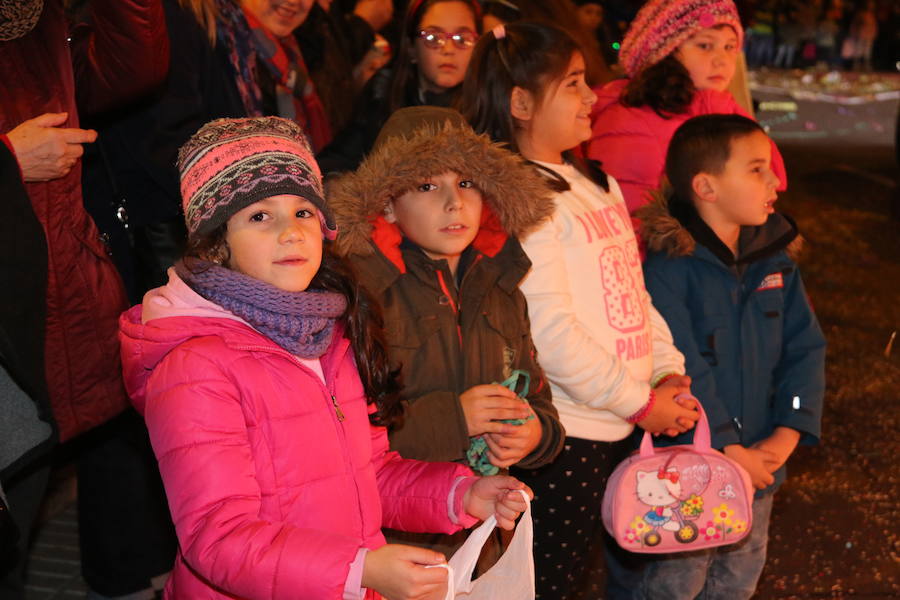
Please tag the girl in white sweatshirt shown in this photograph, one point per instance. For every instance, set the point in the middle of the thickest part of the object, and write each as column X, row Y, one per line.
column 607, row 353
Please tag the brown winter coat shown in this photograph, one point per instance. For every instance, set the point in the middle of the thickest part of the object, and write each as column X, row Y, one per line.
column 446, row 339
column 123, row 56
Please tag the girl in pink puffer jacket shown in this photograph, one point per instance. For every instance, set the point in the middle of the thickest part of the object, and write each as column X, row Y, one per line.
column 262, row 376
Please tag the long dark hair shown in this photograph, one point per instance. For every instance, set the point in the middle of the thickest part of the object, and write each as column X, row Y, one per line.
column 404, row 79
column 364, row 327
column 529, row 56
column 363, row 323
column 666, row 87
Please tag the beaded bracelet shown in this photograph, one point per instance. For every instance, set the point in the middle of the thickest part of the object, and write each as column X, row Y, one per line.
column 644, row 411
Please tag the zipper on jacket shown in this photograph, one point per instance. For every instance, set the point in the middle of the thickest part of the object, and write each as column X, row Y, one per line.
column 339, row 413
column 334, row 403
column 337, row 409
column 443, row 284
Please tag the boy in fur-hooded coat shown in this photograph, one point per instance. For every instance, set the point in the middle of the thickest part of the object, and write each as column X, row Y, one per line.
column 448, row 334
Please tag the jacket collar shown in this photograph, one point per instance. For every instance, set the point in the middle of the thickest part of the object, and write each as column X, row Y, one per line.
column 388, row 238
column 676, row 229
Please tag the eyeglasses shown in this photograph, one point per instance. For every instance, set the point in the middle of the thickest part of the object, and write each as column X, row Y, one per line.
column 436, row 38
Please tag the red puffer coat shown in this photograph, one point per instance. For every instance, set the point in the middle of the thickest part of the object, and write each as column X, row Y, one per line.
column 124, row 55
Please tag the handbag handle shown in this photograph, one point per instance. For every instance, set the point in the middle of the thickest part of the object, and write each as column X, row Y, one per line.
column 701, row 432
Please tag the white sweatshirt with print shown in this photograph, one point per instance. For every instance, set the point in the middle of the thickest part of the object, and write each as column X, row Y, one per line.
column 599, row 339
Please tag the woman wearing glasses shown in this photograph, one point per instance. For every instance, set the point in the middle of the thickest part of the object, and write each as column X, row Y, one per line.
column 438, row 37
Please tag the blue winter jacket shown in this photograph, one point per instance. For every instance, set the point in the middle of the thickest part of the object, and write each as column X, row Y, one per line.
column 752, row 345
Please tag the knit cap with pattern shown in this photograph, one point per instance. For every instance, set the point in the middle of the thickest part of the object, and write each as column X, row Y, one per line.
column 18, row 17
column 663, row 25
column 231, row 163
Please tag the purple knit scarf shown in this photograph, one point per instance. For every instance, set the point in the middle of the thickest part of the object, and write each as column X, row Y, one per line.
column 300, row 322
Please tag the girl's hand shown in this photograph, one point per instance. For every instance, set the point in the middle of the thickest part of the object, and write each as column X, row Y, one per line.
column 485, row 405
column 398, row 572
column 509, row 448
column 497, row 495
column 668, row 415
column 756, row 461
column 682, row 385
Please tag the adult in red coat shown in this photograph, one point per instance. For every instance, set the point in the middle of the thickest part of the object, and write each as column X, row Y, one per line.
column 123, row 54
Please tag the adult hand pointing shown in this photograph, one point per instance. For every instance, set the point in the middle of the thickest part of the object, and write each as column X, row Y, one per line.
column 45, row 150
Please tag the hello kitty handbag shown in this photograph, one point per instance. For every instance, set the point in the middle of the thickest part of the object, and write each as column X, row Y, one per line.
column 678, row 498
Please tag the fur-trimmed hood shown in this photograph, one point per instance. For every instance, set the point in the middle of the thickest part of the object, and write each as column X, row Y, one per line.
column 516, row 197
column 663, row 232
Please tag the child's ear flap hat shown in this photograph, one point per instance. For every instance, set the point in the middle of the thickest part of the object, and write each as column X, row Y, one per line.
column 663, row 25
column 231, row 163
column 420, row 142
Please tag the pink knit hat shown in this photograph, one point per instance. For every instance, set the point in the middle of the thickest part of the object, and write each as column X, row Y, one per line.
column 231, row 163
column 663, row 25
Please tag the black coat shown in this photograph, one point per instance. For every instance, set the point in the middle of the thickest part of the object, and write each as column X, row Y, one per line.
column 353, row 143
column 137, row 148
column 23, row 294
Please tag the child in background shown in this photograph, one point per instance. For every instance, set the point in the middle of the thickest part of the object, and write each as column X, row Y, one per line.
column 263, row 379
column 680, row 57
column 721, row 271
column 607, row 353
column 431, row 60
column 430, row 222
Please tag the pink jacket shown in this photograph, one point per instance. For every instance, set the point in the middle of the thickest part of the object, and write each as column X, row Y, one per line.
column 632, row 142
column 273, row 495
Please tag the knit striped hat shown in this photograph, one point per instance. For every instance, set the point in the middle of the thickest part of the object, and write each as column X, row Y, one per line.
column 231, row 163
column 663, row 25
column 18, row 17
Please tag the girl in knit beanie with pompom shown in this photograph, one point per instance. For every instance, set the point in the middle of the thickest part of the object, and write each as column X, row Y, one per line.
column 679, row 57
column 262, row 375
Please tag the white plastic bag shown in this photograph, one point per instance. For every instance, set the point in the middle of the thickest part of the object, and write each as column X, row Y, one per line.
column 511, row 577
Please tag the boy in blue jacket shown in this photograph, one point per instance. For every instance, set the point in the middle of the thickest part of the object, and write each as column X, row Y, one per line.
column 720, row 269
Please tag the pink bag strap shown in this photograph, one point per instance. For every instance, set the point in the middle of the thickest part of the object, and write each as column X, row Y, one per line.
column 701, row 433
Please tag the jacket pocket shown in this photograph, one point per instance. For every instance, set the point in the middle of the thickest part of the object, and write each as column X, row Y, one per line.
column 768, row 317
column 411, row 332
column 504, row 343
column 509, row 326
column 712, row 339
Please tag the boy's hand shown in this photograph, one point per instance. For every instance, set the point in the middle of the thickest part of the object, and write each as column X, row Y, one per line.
column 756, row 461
column 485, row 405
column 781, row 444
column 398, row 572
column 505, row 449
column 668, row 415
column 497, row 495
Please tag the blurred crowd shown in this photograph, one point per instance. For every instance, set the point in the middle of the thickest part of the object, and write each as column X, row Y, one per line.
column 842, row 34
